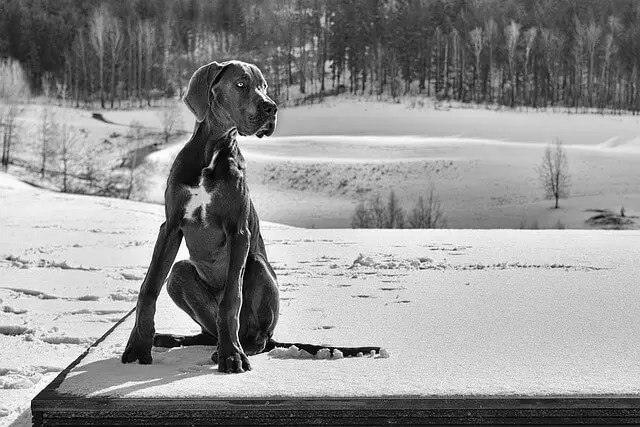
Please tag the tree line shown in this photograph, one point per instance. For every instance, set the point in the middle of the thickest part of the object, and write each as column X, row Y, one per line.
column 539, row 53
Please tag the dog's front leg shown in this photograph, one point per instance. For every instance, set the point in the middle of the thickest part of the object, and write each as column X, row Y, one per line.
column 164, row 253
column 231, row 356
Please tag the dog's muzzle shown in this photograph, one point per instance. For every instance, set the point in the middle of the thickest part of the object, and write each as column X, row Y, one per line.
column 267, row 129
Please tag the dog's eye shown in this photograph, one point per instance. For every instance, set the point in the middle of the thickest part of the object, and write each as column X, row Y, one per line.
column 240, row 84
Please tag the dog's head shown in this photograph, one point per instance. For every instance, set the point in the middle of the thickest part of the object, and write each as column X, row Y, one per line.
column 236, row 93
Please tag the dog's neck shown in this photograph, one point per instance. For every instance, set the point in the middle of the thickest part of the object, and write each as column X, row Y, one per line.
column 214, row 134
column 216, row 124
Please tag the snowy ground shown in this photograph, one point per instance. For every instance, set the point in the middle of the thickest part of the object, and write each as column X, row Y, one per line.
column 460, row 311
column 326, row 157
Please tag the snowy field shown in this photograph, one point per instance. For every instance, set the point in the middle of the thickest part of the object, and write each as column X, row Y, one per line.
column 481, row 162
column 461, row 312
column 326, row 157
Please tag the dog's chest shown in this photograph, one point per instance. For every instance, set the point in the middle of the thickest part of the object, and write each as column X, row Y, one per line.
column 222, row 170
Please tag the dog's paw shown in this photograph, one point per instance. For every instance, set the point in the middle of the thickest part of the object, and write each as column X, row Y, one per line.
column 138, row 348
column 231, row 362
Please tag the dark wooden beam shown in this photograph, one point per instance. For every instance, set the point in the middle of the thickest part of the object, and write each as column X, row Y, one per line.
column 50, row 408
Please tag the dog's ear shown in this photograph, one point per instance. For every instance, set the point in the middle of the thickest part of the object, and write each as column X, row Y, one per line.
column 198, row 96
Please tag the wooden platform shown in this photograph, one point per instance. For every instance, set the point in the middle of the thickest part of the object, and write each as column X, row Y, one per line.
column 50, row 408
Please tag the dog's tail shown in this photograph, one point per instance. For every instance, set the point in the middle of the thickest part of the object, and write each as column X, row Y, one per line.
column 314, row 349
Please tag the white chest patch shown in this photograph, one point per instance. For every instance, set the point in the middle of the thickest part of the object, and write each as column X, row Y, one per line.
column 199, row 198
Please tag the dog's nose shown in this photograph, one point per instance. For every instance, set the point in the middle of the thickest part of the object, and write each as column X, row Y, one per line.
column 268, row 108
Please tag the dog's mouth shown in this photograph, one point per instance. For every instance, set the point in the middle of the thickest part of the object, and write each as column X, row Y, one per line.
column 266, row 129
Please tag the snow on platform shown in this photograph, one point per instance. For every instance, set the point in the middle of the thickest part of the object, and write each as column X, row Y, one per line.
column 536, row 320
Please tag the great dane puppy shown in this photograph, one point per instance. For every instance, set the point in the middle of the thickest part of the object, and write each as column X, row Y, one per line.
column 227, row 285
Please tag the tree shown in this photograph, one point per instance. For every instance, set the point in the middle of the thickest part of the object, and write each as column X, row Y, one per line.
column 592, row 34
column 47, row 135
column 13, row 89
column 98, row 31
column 490, row 31
column 476, row 42
column 512, row 33
column 170, row 117
column 115, row 37
column 361, row 217
column 136, row 142
column 395, row 214
column 378, row 213
column 529, row 36
column 66, row 151
column 427, row 214
column 553, row 172
column 148, row 33
column 552, row 47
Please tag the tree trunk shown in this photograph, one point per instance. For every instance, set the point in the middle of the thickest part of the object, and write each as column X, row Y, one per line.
column 101, row 61
column 113, row 78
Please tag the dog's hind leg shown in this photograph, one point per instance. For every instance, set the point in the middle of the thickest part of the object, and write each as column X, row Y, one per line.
column 190, row 292
column 260, row 305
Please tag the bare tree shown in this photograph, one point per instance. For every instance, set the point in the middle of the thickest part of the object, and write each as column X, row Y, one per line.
column 552, row 48
column 170, row 118
column 512, row 33
column 13, row 89
column 578, row 53
column 378, row 212
column 115, row 37
column 361, row 217
column 553, row 172
column 490, row 31
column 476, row 42
column 610, row 49
column 46, row 136
column 395, row 214
column 529, row 37
column 66, row 149
column 167, row 40
column 147, row 38
column 427, row 213
column 98, row 31
column 133, row 159
column 592, row 34
column 80, row 51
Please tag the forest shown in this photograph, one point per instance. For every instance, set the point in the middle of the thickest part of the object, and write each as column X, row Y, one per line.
column 582, row 54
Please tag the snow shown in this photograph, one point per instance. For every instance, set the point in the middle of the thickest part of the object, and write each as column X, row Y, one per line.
column 70, row 267
column 323, row 159
column 506, row 313
column 457, row 311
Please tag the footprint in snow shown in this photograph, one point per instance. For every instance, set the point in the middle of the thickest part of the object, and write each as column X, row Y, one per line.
column 88, row 298
column 12, row 310
column 14, row 330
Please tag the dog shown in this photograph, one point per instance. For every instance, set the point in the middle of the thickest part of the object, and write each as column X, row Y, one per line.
column 227, row 285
